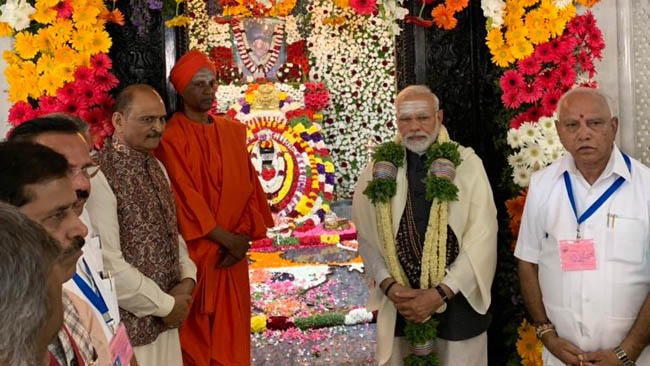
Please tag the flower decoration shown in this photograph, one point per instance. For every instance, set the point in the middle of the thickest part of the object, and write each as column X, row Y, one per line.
column 529, row 347
column 316, row 96
column 443, row 15
column 61, row 65
column 515, row 207
column 253, row 8
column 258, row 323
column 290, row 72
column 16, row 14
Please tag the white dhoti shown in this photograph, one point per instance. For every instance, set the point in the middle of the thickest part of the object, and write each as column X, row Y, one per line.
column 469, row 352
column 164, row 351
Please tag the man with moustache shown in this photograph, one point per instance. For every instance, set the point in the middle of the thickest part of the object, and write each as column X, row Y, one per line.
column 584, row 263
column 91, row 282
column 221, row 207
column 44, row 193
column 132, row 208
column 30, row 271
column 458, row 296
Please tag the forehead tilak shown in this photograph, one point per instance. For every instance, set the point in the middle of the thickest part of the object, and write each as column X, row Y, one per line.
column 412, row 106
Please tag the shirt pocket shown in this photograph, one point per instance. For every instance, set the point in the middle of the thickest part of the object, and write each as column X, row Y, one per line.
column 626, row 256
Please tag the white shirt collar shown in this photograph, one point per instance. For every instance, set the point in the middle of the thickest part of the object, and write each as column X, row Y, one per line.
column 615, row 165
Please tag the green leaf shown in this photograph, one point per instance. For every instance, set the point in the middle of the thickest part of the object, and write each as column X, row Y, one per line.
column 447, row 150
column 418, row 333
column 440, row 188
column 381, row 190
column 391, row 152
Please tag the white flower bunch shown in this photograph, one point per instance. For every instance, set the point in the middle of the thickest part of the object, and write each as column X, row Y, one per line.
column 536, row 145
column 358, row 316
column 493, row 10
column 16, row 13
column 228, row 95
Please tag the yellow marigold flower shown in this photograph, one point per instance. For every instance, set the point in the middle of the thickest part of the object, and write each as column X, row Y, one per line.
column 527, row 346
column 45, row 64
column 62, row 28
column 556, row 26
column 81, row 40
column 548, row 9
column 515, row 8
column 516, row 34
column 25, row 45
column 66, row 71
column 534, row 19
column 502, row 56
column 86, row 17
column 528, row 3
column 17, row 93
column 532, row 362
column 343, row 4
column 49, row 83
column 100, row 42
column 46, row 3
column 10, row 57
column 13, row 73
column 567, row 13
column 44, row 14
column 47, row 41
column 65, row 54
column 522, row 49
column 539, row 35
column 494, row 38
column 83, row 59
column 178, row 21
column 5, row 29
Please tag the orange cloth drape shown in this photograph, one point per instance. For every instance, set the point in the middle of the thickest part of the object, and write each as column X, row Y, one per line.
column 214, row 183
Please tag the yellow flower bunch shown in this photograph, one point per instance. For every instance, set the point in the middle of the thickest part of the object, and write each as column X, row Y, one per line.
column 529, row 347
column 243, row 9
column 526, row 23
column 258, row 323
column 178, row 21
column 42, row 61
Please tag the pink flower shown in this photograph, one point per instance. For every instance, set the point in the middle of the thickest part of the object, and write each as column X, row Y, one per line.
column 566, row 74
column 511, row 100
column 530, row 65
column 533, row 114
column 101, row 62
column 105, row 80
column 66, row 92
column 546, row 80
column 530, row 94
column 89, row 93
column 543, row 52
column 74, row 105
column 63, row 9
column 84, row 74
column 511, row 82
column 47, row 104
column 93, row 116
column 518, row 120
column 364, row 7
column 21, row 112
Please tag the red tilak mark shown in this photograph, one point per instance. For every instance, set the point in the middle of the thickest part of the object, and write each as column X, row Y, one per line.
column 582, row 116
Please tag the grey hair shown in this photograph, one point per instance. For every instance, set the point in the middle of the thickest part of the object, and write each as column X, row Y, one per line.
column 82, row 125
column 414, row 91
column 27, row 253
column 587, row 90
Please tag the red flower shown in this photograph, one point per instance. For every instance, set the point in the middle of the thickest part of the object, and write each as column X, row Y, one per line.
column 585, row 61
column 296, row 50
column 90, row 94
column 564, row 59
column 74, row 105
column 419, row 21
column 106, row 103
column 566, row 75
column 511, row 100
column 533, row 114
column 576, row 26
column 101, row 62
column 67, row 92
column 364, row 7
column 530, row 65
column 530, row 94
column 543, row 52
column 518, row 120
column 83, row 74
column 104, row 80
column 47, row 104
column 549, row 101
column 511, row 81
column 63, row 9
column 546, row 80
column 222, row 56
column 21, row 112
column 93, row 116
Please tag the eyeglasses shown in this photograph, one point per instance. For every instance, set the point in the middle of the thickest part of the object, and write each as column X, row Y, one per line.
column 88, row 171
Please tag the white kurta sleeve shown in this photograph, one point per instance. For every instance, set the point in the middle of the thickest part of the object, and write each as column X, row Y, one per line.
column 363, row 216
column 188, row 268
column 136, row 293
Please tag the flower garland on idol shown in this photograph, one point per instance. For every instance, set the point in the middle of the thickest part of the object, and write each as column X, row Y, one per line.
column 60, row 64
column 442, row 158
column 443, row 14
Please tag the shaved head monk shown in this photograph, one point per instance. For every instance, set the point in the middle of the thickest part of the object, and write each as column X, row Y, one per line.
column 221, row 207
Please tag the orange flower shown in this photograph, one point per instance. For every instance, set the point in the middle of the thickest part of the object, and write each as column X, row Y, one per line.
column 457, row 5
column 515, row 208
column 114, row 16
column 444, row 17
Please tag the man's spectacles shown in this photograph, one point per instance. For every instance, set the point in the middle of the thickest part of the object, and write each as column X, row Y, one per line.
column 88, row 171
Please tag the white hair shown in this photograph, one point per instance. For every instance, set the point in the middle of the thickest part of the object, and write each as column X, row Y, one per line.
column 27, row 252
column 414, row 91
column 587, row 90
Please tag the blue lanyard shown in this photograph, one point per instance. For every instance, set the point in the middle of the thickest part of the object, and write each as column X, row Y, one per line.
column 95, row 296
column 599, row 202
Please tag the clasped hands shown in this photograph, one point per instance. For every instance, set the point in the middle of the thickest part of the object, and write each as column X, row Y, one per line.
column 182, row 294
column 233, row 247
column 416, row 306
column 571, row 355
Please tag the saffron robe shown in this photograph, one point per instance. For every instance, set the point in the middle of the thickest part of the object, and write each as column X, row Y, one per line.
column 215, row 184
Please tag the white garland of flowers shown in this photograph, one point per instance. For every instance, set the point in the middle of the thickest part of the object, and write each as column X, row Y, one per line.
column 356, row 120
column 493, row 10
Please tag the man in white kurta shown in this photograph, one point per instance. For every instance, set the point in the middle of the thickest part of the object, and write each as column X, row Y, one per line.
column 587, row 306
column 473, row 224
column 132, row 208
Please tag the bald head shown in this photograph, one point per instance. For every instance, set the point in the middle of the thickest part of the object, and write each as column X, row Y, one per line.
column 139, row 117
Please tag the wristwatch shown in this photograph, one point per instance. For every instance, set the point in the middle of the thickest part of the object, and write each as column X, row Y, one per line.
column 622, row 356
column 442, row 293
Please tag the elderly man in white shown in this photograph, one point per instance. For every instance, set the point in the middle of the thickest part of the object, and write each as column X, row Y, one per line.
column 584, row 242
column 399, row 255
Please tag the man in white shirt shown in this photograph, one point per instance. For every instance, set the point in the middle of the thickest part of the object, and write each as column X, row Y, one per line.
column 584, row 242
column 91, row 282
column 133, row 209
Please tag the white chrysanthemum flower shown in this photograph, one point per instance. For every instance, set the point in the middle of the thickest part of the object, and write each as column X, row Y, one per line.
column 533, row 154
column 547, row 124
column 529, row 132
column 561, row 4
column 514, row 138
column 556, row 154
column 521, row 176
column 516, row 160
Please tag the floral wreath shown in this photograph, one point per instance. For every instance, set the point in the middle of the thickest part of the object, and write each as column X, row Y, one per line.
column 244, row 49
column 442, row 158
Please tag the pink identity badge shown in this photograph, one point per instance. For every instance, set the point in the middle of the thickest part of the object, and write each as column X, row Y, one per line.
column 121, row 350
column 578, row 255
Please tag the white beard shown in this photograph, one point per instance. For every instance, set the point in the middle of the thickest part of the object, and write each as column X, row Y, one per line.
column 419, row 147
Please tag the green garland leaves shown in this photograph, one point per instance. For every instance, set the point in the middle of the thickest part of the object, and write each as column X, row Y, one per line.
column 437, row 187
column 391, row 152
column 428, row 360
column 320, row 321
column 418, row 333
column 382, row 190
